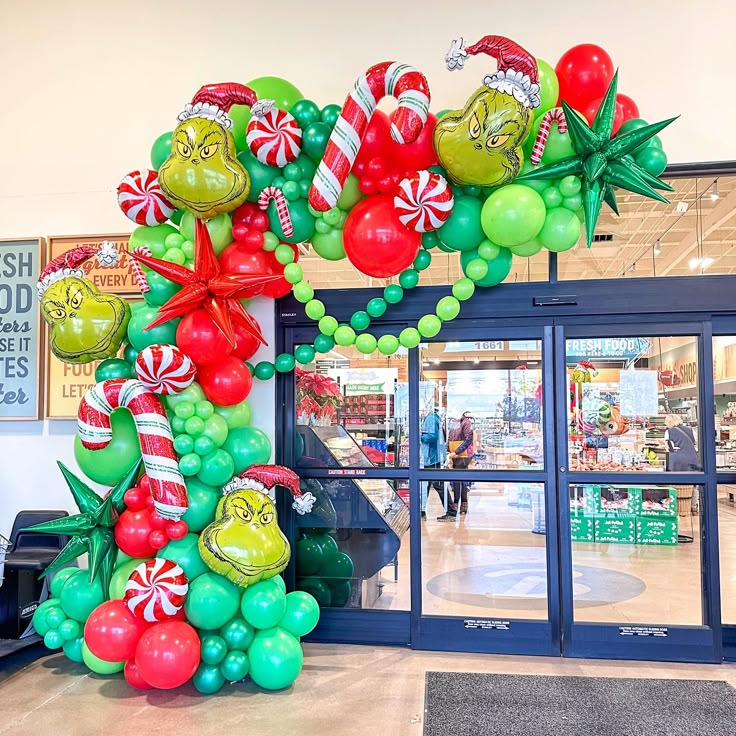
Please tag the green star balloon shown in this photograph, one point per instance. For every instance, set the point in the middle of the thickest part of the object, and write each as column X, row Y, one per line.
column 603, row 162
column 91, row 530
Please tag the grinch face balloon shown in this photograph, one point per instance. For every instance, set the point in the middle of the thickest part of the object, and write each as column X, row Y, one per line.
column 481, row 145
column 202, row 174
column 84, row 325
column 244, row 543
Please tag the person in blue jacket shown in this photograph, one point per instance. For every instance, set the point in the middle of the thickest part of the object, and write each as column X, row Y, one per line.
column 433, row 453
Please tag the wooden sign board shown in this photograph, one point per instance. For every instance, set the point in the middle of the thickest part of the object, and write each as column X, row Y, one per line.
column 21, row 377
column 116, row 280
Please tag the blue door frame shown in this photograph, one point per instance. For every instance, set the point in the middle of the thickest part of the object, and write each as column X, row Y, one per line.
column 550, row 312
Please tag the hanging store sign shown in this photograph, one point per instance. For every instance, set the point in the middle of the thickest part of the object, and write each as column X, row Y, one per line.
column 607, row 347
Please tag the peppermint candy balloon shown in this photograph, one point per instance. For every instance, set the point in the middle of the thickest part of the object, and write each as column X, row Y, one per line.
column 156, row 590
column 164, row 369
column 424, row 201
column 274, row 137
column 141, row 199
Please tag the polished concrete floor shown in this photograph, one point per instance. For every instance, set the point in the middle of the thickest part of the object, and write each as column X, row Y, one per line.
column 342, row 689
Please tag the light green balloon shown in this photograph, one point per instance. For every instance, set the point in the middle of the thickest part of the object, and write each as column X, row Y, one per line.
column 220, row 229
column 215, row 427
column 498, row 268
column 329, row 245
column 488, row 250
column 429, row 325
column 447, row 308
column 409, row 337
column 365, row 343
column 388, row 344
column 561, row 230
column 239, row 415
column 351, row 194
column 513, row 215
column 525, row 250
column 463, row 289
column 152, row 238
column 100, row 666
column 549, row 88
column 282, row 92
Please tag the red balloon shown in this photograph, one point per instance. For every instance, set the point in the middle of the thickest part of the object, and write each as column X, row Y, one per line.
column 246, row 345
column 199, row 337
column 421, row 153
column 376, row 243
column 177, row 530
column 167, row 654
column 158, row 539
column 584, row 73
column 240, row 258
column 629, row 107
column 133, row 677
column 136, row 498
column 377, row 140
column 618, row 117
column 282, row 287
column 226, row 383
column 131, row 534
column 244, row 212
column 112, row 631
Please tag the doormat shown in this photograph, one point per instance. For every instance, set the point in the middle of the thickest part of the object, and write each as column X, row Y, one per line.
column 469, row 704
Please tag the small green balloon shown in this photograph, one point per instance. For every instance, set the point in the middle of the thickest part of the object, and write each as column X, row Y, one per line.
column 552, row 197
column 476, row 269
column 276, row 659
column 238, row 415
column 203, row 445
column 235, row 667
column 190, row 464
column 293, row 273
column 339, row 566
column 130, row 354
column 185, row 553
column 513, row 215
column 462, row 231
column 153, row 238
column 58, row 579
column 284, row 363
column 261, row 175
column 422, row 260
column 100, row 666
column 653, row 160
column 387, row 344
column 53, row 639
column 161, row 149
column 317, row 588
column 340, row 590
column 376, row 307
column 314, row 140
column 561, row 230
column 113, row 368
column 39, row 615
column 409, row 278
column 265, row 370
column 208, row 679
column 247, row 446
column 304, row 354
column 213, row 649
column 323, row 343
column 498, row 269
column 409, row 337
column 393, row 293
column 447, row 308
column 360, row 320
column 488, row 250
column 463, row 289
column 183, row 444
column 70, row 629
column 73, row 649
column 573, row 203
column 429, row 325
column 525, row 250
column 309, row 557
column 314, row 309
column 570, row 186
column 194, row 426
column 305, row 112
column 344, row 335
column 301, row 615
column 237, row 634
column 212, row 601
column 263, row 604
column 120, row 577
column 329, row 245
column 327, row 325
column 219, row 227
column 365, row 343
column 217, row 468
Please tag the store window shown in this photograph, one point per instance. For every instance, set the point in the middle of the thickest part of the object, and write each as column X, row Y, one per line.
column 481, row 405
column 727, row 548
column 633, row 404
column 635, row 554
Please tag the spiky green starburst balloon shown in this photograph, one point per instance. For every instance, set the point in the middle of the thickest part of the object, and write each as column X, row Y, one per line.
column 91, row 530
column 603, row 162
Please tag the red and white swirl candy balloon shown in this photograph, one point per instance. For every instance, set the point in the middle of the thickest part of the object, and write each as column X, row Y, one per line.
column 164, row 369
column 424, row 201
column 274, row 138
column 156, row 590
column 141, row 199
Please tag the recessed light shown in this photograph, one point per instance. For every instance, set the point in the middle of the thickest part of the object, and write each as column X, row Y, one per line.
column 705, row 262
column 715, row 194
column 436, row 361
column 657, row 248
column 425, row 364
column 476, row 360
column 693, row 263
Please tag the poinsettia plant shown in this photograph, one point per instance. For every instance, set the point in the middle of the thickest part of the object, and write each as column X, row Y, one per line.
column 317, row 396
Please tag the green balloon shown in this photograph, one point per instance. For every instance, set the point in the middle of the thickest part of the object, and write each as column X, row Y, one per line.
column 387, row 344
column 100, row 666
column 240, row 115
column 219, row 227
column 284, row 363
column 393, row 293
column 203, row 501
column 409, row 278
column 160, row 289
column 513, row 215
column 161, row 149
column 276, row 659
column 79, row 597
column 328, row 545
column 185, row 553
column 113, row 368
column 190, row 464
column 525, row 250
column 429, row 325
column 488, row 250
column 109, row 465
column 498, row 269
column 73, row 649
column 263, row 604
column 344, row 335
column 265, row 370
column 120, row 577
column 552, row 197
column 58, row 578
column 70, row 629
column 208, row 679
column 284, row 94
column 329, row 245
column 463, row 230
column 573, row 203
column 213, row 649
column 365, row 343
column 463, row 289
column 376, row 307
column 652, row 159
column 340, row 591
column 261, row 175
column 55, row 617
column 238, row 415
column 339, row 566
column 409, row 337
column 447, row 308
column 351, row 194
column 247, row 446
column 217, row 468
column 215, row 427
column 314, row 140
column 304, row 354
column 237, row 634
column 302, row 221
column 279, row 580
column 152, row 238
column 305, row 112
column 549, row 88
column 212, row 601
column 422, row 261
column 559, row 145
column 39, row 615
column 323, row 343
column 570, row 186
column 140, row 338
column 316, row 588
column 53, row 639
column 235, row 667
column 535, row 184
column 476, row 268
column 634, row 124
column 301, row 615
column 309, row 557
column 561, row 230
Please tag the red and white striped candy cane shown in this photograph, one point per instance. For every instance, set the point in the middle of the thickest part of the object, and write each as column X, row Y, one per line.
column 282, row 208
column 154, row 432
column 390, row 78
column 556, row 115
column 135, row 267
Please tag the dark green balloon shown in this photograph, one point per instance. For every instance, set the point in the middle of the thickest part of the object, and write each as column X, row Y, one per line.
column 264, row 370
column 218, row 468
column 309, row 557
column 316, row 588
column 393, row 293
column 301, row 219
column 314, row 140
column 186, row 554
column 376, row 307
column 409, row 278
column 430, row 240
column 498, row 269
column 324, row 343
column 247, row 446
column 652, row 159
column 330, row 114
column 161, row 149
column 130, row 354
column 304, row 354
column 261, row 176
column 423, row 260
column 340, row 591
column 113, row 368
column 208, row 679
column 79, row 597
column 235, row 667
column 463, row 230
column 161, row 289
column 284, row 363
column 202, row 504
column 140, row 338
column 276, row 658
column 338, row 566
column 213, row 649
column 237, row 634
column 305, row 112
column 360, row 320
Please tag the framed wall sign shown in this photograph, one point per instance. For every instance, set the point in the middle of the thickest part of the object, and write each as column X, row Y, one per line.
column 117, row 280
column 21, row 378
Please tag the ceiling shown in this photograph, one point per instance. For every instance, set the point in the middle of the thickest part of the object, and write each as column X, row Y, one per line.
column 707, row 229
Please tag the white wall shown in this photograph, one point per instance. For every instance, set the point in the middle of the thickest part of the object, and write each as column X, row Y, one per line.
column 87, row 85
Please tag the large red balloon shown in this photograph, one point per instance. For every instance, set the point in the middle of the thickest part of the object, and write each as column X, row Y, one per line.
column 201, row 339
column 584, row 73
column 377, row 140
column 421, row 153
column 112, row 631
column 375, row 242
column 246, row 345
column 133, row 677
column 629, row 107
column 226, row 383
column 239, row 258
column 167, row 654
column 131, row 533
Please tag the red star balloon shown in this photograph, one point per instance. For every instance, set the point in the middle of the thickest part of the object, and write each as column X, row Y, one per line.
column 207, row 287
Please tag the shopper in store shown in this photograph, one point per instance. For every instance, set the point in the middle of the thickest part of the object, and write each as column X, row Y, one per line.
column 682, row 457
column 433, row 455
column 460, row 444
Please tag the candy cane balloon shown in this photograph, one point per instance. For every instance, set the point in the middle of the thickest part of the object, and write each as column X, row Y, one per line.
column 388, row 78
column 556, row 115
column 154, row 432
column 282, row 208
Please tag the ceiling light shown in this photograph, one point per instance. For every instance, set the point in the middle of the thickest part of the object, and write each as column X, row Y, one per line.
column 693, row 263
column 425, row 364
column 715, row 194
column 476, row 360
column 682, row 207
column 436, row 361
column 657, row 248
column 705, row 262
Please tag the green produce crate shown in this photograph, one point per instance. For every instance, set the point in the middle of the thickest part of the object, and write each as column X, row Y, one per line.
column 656, row 530
column 616, row 529
column 658, row 502
column 582, row 529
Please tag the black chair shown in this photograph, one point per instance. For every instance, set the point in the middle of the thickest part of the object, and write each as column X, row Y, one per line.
column 29, row 555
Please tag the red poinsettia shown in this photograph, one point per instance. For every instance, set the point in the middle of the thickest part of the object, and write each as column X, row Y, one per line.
column 316, row 394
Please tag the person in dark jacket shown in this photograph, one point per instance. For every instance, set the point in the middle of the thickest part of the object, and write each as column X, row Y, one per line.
column 461, row 453
column 433, row 454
